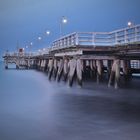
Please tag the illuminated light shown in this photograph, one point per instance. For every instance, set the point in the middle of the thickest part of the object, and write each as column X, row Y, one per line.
column 39, row 38
column 129, row 24
column 44, row 49
column 31, row 43
column 64, row 20
column 47, row 32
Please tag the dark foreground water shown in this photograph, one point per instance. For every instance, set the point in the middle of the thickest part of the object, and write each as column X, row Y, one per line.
column 33, row 108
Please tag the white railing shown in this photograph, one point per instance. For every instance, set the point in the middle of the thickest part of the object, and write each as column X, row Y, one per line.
column 129, row 35
column 65, row 41
column 15, row 54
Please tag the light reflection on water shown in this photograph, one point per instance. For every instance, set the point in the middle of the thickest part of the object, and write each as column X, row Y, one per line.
column 34, row 108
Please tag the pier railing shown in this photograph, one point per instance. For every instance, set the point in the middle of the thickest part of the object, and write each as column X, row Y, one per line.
column 15, row 54
column 125, row 36
column 129, row 35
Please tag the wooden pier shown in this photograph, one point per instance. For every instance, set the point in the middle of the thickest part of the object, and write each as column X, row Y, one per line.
column 87, row 55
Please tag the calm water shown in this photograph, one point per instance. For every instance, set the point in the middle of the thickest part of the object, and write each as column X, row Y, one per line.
column 33, row 108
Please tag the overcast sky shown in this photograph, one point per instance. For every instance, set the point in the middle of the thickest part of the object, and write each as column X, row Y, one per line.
column 23, row 21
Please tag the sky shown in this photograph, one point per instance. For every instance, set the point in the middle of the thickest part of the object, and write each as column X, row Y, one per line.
column 22, row 21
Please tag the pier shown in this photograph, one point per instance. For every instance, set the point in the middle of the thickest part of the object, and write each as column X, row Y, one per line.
column 82, row 55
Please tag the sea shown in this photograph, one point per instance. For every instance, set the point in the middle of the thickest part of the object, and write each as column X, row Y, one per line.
column 35, row 108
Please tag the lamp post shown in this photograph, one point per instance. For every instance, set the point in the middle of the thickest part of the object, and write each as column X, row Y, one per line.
column 129, row 24
column 62, row 22
column 47, row 32
column 31, row 44
column 39, row 38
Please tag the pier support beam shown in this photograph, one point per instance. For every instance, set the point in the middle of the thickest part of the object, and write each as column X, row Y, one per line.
column 66, row 69
column 72, row 66
column 109, row 65
column 60, row 69
column 87, row 69
column 92, row 68
column 126, row 69
column 55, row 65
column 99, row 64
column 115, row 74
column 28, row 64
column 79, row 68
column 50, row 66
column 43, row 65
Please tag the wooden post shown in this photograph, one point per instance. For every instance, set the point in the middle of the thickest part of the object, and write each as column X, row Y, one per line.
column 60, row 69
column 44, row 65
column 93, row 68
column 79, row 68
column 55, row 65
column 87, row 69
column 126, row 69
column 109, row 64
column 72, row 66
column 99, row 65
column 66, row 69
column 28, row 64
column 115, row 71
column 117, row 74
column 41, row 65
column 50, row 66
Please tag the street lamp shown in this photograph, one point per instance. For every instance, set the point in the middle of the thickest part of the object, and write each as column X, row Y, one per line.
column 130, row 24
column 39, row 38
column 47, row 32
column 31, row 43
column 63, row 21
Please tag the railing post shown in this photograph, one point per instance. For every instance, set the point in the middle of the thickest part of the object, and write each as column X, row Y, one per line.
column 116, row 38
column 76, row 39
column 135, row 34
column 93, row 39
column 125, row 36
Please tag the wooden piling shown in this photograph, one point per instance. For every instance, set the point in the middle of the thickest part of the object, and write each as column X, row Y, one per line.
column 99, row 65
column 55, row 65
column 86, row 66
column 66, row 69
column 60, row 69
column 79, row 68
column 115, row 74
column 93, row 68
column 50, row 66
column 72, row 67
column 126, row 69
column 109, row 65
